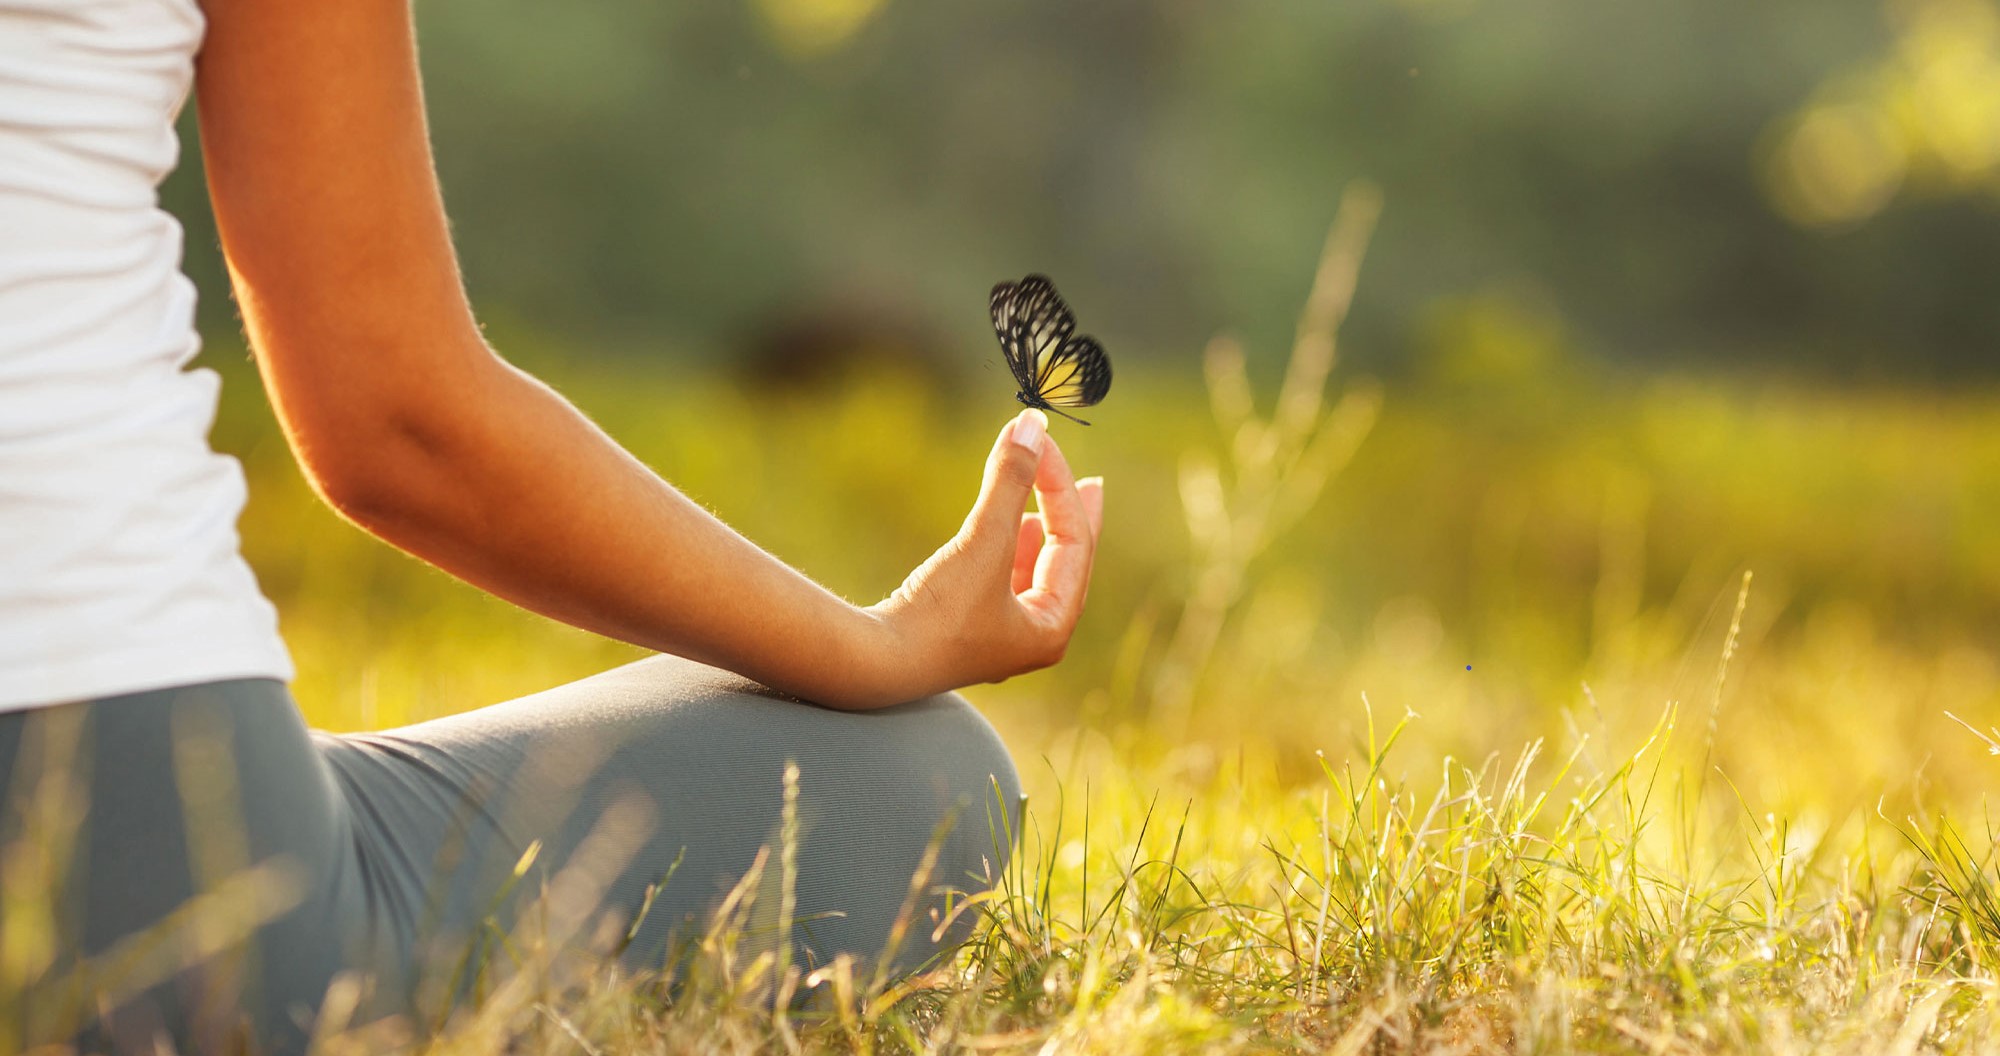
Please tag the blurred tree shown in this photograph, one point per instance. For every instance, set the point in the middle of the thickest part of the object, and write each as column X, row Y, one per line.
column 1796, row 183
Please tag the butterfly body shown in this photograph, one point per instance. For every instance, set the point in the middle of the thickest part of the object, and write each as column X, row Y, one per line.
column 1043, row 405
column 1054, row 365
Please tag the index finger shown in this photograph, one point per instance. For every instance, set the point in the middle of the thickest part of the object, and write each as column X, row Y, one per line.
column 1062, row 572
column 1064, row 515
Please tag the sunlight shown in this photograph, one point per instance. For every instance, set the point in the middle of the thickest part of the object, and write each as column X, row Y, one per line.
column 809, row 28
column 1836, row 164
column 1926, row 116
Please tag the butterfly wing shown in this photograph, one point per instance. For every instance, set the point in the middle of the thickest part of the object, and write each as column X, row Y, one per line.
column 1077, row 375
column 1019, row 362
column 1038, row 325
column 1033, row 322
column 1002, row 305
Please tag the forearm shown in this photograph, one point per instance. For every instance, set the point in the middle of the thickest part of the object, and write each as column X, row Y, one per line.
column 517, row 492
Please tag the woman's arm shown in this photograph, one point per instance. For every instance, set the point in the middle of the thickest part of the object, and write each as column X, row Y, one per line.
column 319, row 166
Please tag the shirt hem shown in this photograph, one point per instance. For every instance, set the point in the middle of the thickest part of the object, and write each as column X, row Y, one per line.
column 142, row 671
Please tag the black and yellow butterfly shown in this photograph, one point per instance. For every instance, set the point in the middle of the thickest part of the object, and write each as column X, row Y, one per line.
column 1055, row 366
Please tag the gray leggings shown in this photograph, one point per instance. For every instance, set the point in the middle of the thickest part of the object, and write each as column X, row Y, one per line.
column 385, row 854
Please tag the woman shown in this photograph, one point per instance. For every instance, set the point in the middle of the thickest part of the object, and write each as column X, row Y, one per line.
column 147, row 734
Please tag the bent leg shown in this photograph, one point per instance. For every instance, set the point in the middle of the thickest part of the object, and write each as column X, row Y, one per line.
column 668, row 765
column 387, row 852
column 199, row 888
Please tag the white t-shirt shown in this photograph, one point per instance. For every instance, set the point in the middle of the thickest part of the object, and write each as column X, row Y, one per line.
column 119, row 565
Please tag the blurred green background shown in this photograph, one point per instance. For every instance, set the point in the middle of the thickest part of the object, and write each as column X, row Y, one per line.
column 1660, row 293
column 1795, row 184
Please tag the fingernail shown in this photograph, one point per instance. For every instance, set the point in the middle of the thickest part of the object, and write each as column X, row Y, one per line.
column 1029, row 429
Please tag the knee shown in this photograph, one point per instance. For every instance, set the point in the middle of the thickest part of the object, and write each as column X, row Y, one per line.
column 987, row 793
column 967, row 827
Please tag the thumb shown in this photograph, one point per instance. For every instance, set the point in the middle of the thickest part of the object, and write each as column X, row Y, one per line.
column 1010, row 476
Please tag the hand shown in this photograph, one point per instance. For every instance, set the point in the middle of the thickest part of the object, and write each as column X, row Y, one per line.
column 1003, row 596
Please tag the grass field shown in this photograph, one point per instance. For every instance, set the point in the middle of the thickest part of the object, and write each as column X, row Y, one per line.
column 1577, row 711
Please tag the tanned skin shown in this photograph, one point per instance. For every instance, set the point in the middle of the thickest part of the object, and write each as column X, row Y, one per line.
column 319, row 165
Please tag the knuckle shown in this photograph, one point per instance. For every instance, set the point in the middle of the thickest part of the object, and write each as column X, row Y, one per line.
column 1018, row 465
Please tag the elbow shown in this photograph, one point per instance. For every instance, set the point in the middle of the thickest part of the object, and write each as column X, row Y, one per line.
column 385, row 476
column 401, row 454
column 387, row 428
column 359, row 493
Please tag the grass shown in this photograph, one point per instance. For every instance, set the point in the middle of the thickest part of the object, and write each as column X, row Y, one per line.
column 1503, row 708
column 1530, row 904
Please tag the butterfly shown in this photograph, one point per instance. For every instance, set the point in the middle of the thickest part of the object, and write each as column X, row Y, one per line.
column 1055, row 366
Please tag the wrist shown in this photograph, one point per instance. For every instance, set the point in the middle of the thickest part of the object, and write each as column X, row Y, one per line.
column 873, row 654
column 910, row 650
